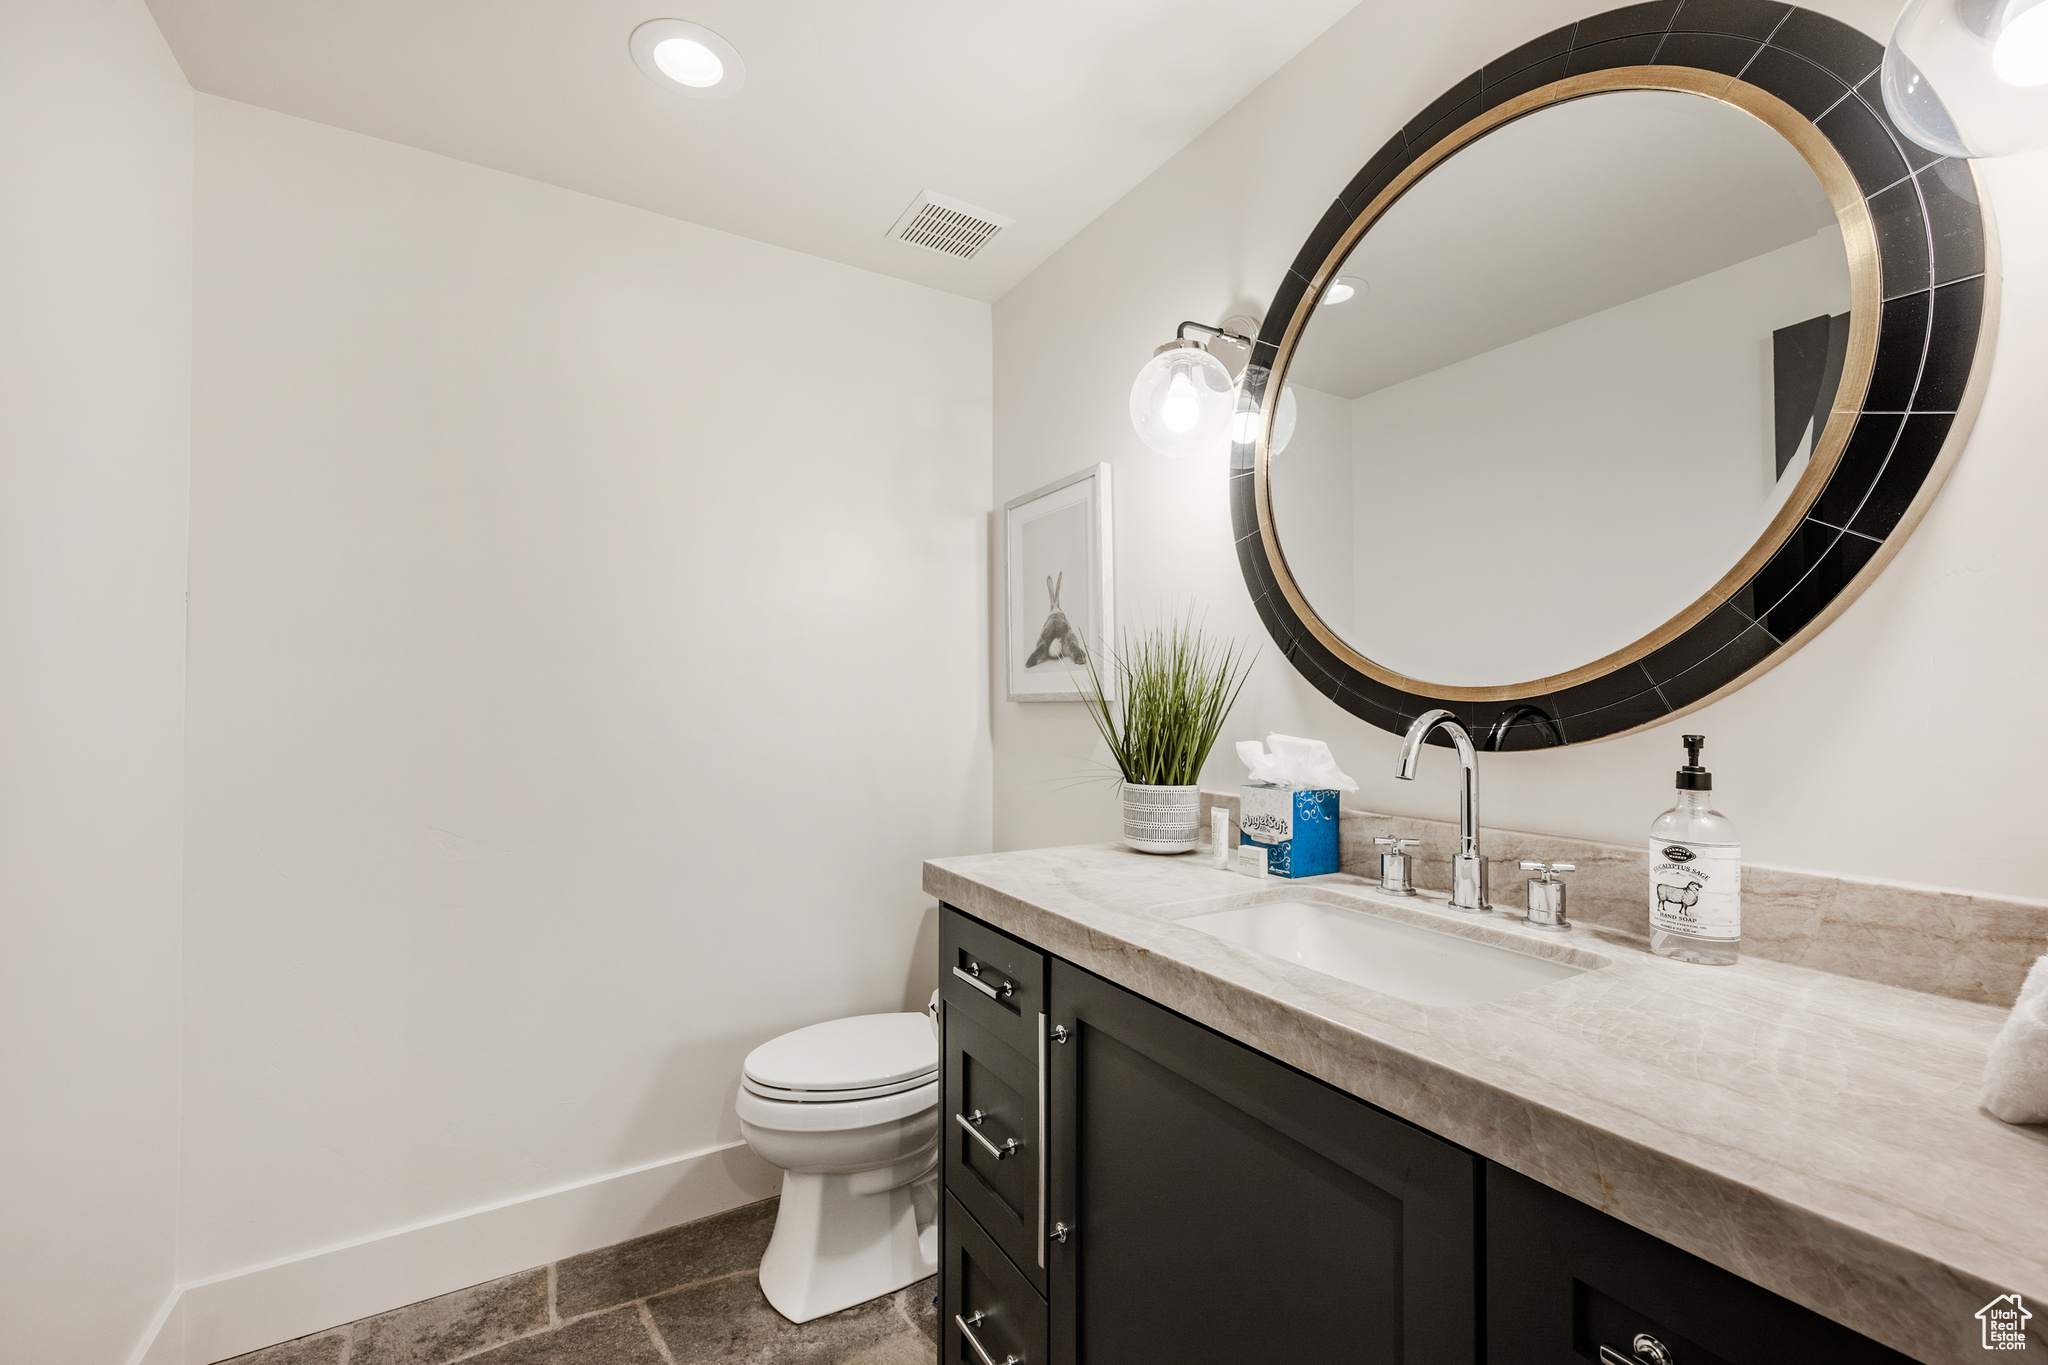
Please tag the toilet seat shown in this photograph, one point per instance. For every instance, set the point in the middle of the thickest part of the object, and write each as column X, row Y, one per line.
column 865, row 1057
column 809, row 1116
column 774, row 1092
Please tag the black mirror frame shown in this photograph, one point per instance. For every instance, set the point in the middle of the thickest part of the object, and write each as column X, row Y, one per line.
column 1937, row 320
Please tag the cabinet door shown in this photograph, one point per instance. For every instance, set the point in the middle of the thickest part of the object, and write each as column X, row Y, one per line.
column 987, row 1311
column 1567, row 1284
column 993, row 1139
column 1224, row 1208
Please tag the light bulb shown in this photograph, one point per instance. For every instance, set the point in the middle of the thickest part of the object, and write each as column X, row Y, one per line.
column 1182, row 400
column 1340, row 291
column 1969, row 78
column 1283, row 421
column 687, row 59
column 1182, row 408
column 2020, row 56
column 688, row 62
column 1244, row 426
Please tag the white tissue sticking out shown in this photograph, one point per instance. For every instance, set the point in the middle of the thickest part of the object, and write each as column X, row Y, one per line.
column 2016, row 1074
column 1305, row 763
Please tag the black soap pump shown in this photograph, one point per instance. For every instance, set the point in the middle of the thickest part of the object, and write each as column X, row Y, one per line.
column 1695, row 873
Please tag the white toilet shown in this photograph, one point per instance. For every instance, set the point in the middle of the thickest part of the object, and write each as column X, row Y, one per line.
column 850, row 1110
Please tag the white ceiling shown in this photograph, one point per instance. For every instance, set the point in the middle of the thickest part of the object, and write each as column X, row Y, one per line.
column 1045, row 113
column 1568, row 212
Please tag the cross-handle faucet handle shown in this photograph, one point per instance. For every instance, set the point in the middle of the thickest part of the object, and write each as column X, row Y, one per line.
column 1546, row 896
column 1549, row 870
column 1394, row 865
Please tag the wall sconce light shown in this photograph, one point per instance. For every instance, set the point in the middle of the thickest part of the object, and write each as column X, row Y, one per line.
column 1182, row 400
column 1186, row 398
column 1970, row 77
column 1244, row 426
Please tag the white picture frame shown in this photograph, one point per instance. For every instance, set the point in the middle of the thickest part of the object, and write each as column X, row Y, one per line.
column 1058, row 593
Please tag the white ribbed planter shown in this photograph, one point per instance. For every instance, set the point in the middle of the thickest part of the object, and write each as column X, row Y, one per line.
column 1162, row 819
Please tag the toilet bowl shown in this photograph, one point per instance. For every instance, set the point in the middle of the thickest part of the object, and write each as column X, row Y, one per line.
column 849, row 1109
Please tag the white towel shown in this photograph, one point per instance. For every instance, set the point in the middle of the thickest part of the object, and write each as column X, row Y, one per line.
column 2016, row 1076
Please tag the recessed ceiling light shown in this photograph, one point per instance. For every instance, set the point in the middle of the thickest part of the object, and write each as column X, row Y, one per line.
column 688, row 62
column 687, row 58
column 1342, row 288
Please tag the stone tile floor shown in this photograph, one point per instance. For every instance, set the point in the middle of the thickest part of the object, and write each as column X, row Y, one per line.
column 685, row 1296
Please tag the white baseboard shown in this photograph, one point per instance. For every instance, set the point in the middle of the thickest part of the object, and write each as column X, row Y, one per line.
column 163, row 1342
column 211, row 1320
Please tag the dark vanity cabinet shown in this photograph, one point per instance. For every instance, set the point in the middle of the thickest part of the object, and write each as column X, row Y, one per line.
column 988, row 1312
column 1124, row 1186
column 992, row 1263
column 992, row 1099
column 1566, row 1283
column 1220, row 1207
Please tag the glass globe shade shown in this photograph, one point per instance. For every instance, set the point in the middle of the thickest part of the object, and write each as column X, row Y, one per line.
column 1970, row 77
column 1181, row 401
column 1244, row 425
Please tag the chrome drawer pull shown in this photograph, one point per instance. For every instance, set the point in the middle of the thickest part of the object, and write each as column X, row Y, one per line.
column 1648, row 1351
column 971, row 974
column 972, row 1123
column 966, row 1326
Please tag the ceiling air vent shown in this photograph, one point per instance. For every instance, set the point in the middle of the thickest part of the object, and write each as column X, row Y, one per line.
column 948, row 226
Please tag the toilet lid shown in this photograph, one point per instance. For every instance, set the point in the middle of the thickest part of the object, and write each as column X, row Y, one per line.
column 866, row 1052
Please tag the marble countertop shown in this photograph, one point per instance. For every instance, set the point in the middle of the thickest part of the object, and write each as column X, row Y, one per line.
column 1816, row 1134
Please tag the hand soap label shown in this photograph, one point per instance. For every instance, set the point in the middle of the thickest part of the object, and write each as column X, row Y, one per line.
column 1696, row 889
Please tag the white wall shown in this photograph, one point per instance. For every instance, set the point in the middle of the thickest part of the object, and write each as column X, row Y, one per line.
column 588, row 640
column 95, row 366
column 1846, row 758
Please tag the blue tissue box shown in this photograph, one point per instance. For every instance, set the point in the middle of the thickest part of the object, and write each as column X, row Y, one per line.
column 1296, row 826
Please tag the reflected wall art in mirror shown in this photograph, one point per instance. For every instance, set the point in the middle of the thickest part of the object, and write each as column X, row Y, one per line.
column 1617, row 374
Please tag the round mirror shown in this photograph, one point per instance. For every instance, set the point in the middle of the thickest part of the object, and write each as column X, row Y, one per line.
column 1561, row 388
column 1607, row 389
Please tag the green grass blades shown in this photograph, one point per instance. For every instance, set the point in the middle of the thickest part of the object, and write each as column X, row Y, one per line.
column 1175, row 686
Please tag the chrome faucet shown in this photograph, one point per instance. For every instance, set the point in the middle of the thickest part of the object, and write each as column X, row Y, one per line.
column 1468, row 869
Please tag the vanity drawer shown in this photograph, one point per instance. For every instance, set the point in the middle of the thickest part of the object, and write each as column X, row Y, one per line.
column 985, row 1296
column 993, row 979
column 991, row 1127
column 1564, row 1281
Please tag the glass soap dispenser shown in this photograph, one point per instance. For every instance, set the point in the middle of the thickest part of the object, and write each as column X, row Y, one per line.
column 1695, row 873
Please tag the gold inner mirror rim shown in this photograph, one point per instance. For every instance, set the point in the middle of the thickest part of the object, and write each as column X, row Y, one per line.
column 1859, row 240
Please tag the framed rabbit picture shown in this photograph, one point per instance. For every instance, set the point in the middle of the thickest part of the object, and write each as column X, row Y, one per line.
column 1058, row 599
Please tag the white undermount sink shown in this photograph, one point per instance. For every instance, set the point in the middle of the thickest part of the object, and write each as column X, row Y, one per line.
column 1381, row 954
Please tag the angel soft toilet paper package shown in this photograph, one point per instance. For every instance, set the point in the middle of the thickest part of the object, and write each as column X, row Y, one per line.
column 1289, row 808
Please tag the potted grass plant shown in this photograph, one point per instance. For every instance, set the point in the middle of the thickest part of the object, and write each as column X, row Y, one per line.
column 1174, row 686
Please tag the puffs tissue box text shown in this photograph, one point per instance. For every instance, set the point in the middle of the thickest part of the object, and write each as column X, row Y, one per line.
column 1289, row 808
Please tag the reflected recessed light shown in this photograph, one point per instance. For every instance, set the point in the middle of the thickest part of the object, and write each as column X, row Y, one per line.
column 687, row 58
column 1342, row 288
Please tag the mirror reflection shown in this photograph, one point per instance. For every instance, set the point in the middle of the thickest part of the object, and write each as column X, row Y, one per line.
column 1561, row 388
